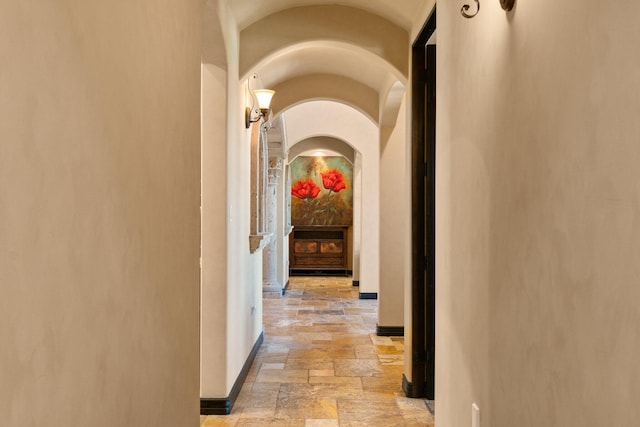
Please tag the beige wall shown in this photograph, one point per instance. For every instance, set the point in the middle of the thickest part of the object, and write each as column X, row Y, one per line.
column 538, row 215
column 99, row 213
column 231, row 275
column 244, row 277
column 393, row 194
column 214, row 232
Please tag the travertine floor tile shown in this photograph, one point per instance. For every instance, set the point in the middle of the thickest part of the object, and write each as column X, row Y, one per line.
column 322, row 353
column 322, row 423
column 219, row 421
column 391, row 359
column 366, row 352
column 257, row 396
column 306, row 407
column 282, row 376
column 272, row 366
column 385, row 384
column 268, row 422
column 407, row 404
column 322, row 390
column 418, row 419
column 322, row 365
column 352, row 381
column 358, row 367
column 321, row 373
column 381, row 412
column 309, row 364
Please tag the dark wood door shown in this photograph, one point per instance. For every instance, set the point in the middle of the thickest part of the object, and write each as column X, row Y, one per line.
column 422, row 383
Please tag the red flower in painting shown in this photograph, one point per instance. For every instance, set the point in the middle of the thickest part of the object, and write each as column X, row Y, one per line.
column 333, row 180
column 305, row 189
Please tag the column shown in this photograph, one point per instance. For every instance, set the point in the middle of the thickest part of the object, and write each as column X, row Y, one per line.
column 270, row 255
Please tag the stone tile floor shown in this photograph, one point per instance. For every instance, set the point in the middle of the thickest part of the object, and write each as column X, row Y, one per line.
column 321, row 364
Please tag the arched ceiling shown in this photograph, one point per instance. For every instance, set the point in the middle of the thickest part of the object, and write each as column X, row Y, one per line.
column 347, row 25
column 400, row 12
column 323, row 143
column 327, row 57
column 331, row 119
column 355, row 52
column 329, row 87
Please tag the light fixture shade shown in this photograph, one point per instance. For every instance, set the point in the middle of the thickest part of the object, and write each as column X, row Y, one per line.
column 264, row 98
column 507, row 4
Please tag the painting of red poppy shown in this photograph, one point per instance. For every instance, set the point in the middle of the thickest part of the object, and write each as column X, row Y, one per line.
column 333, row 180
column 305, row 189
column 321, row 191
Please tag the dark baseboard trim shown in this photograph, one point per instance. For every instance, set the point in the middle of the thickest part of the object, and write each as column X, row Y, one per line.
column 319, row 272
column 368, row 295
column 286, row 287
column 218, row 406
column 389, row 331
column 407, row 387
column 223, row 406
column 356, row 283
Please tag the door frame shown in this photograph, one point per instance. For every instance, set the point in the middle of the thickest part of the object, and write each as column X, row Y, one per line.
column 423, row 155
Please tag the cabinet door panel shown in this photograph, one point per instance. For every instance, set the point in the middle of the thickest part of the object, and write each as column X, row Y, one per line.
column 305, row 247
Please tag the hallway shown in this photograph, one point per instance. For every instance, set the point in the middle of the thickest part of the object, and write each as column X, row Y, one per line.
column 321, row 364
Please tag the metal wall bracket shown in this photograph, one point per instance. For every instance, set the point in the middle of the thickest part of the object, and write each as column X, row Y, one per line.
column 466, row 7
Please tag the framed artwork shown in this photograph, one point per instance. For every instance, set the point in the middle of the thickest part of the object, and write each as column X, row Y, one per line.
column 322, row 191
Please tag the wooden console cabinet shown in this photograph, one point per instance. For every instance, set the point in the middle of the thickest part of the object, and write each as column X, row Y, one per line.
column 318, row 249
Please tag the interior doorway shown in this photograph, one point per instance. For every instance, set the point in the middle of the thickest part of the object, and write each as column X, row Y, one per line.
column 322, row 171
column 422, row 382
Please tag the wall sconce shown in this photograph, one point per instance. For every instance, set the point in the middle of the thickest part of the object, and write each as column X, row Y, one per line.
column 263, row 96
column 506, row 5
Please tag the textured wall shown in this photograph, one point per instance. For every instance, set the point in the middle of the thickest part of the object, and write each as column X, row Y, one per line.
column 393, row 195
column 214, row 234
column 99, row 212
column 538, row 215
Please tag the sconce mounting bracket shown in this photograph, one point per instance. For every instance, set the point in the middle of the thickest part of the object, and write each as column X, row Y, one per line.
column 505, row 4
column 247, row 117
